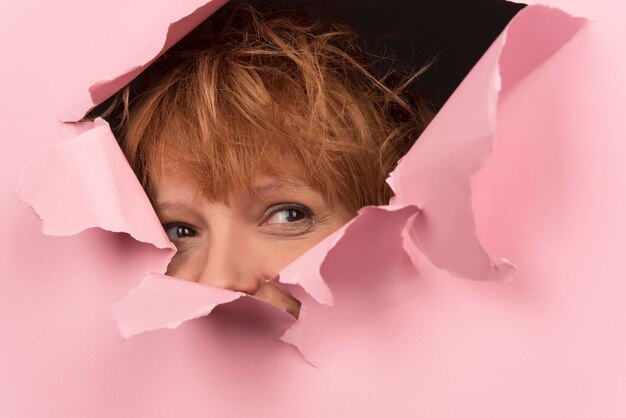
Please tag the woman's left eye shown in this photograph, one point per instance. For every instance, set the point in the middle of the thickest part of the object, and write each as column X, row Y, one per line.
column 289, row 219
column 288, row 215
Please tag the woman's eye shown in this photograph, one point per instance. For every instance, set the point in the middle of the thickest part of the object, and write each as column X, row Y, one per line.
column 177, row 231
column 287, row 216
column 288, row 219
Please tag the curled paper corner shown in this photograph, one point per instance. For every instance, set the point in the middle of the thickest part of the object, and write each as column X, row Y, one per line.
column 86, row 182
column 368, row 270
column 436, row 174
column 306, row 271
column 166, row 302
column 531, row 38
column 158, row 43
column 370, row 244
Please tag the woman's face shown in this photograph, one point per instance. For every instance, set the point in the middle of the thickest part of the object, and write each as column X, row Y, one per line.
column 244, row 245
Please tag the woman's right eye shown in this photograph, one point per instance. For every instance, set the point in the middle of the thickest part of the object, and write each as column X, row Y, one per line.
column 176, row 231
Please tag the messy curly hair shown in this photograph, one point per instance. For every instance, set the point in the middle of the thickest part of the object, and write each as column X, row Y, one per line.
column 270, row 92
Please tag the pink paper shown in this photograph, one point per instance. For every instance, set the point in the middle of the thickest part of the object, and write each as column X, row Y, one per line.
column 369, row 249
column 307, row 271
column 436, row 173
column 183, row 19
column 368, row 269
column 86, row 182
column 166, row 302
column 526, row 164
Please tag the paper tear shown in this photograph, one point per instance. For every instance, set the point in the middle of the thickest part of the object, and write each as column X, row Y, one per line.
column 545, row 26
column 368, row 270
column 433, row 204
column 86, row 182
column 306, row 271
column 310, row 278
column 166, row 302
column 436, row 174
column 103, row 89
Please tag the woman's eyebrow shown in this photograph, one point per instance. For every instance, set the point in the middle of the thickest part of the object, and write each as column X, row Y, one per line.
column 280, row 185
column 168, row 206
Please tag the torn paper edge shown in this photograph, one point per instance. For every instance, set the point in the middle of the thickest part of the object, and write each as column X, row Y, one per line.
column 313, row 282
column 105, row 88
column 46, row 196
column 502, row 269
column 147, row 295
column 135, row 313
column 322, row 294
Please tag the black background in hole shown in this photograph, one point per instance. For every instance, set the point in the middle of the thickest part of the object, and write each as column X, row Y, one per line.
column 455, row 32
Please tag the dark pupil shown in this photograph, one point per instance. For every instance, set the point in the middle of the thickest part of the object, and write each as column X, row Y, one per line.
column 183, row 231
column 294, row 215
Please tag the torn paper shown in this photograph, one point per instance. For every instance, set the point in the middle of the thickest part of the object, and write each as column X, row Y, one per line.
column 550, row 343
column 434, row 179
column 437, row 172
column 166, row 302
column 86, row 182
column 368, row 271
column 187, row 16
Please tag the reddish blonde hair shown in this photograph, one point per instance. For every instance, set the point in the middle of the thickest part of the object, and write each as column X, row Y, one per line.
column 271, row 93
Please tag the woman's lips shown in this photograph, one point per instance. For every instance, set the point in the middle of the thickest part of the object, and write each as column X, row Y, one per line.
column 272, row 293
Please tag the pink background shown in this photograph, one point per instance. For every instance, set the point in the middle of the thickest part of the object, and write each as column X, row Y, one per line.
column 551, row 199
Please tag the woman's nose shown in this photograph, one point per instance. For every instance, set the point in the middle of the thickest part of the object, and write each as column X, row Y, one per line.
column 229, row 264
